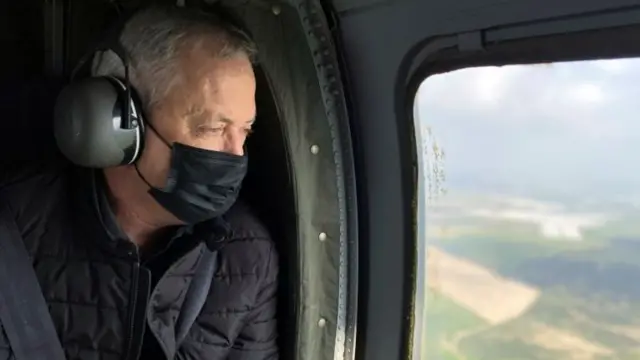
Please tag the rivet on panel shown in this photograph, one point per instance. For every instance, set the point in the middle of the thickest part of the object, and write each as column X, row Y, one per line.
column 315, row 149
column 322, row 236
column 322, row 323
column 275, row 9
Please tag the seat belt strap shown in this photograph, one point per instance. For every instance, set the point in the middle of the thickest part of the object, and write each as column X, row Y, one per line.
column 24, row 314
column 196, row 294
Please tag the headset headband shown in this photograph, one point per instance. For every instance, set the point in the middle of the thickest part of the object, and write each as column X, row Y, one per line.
column 111, row 41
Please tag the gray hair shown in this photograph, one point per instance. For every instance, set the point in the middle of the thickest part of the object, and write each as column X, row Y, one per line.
column 154, row 41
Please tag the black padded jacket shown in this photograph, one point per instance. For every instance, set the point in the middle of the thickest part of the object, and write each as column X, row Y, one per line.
column 108, row 301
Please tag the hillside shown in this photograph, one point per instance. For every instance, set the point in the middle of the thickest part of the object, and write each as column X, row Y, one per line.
column 517, row 290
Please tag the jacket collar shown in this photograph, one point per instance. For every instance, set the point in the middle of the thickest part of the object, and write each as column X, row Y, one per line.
column 92, row 199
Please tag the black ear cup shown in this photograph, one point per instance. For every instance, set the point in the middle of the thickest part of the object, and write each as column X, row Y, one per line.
column 88, row 123
column 98, row 121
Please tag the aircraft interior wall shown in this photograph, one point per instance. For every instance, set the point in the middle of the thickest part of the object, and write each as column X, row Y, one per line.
column 23, row 82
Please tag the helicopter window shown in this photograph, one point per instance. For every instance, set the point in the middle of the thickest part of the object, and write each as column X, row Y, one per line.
column 528, row 214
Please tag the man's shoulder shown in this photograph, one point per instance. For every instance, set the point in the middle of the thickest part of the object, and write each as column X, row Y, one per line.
column 244, row 289
column 33, row 174
column 245, row 224
column 249, row 245
column 34, row 184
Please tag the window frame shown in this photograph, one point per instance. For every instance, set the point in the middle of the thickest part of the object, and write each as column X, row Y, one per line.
column 588, row 37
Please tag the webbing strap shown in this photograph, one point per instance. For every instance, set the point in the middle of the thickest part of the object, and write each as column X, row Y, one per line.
column 24, row 314
column 196, row 294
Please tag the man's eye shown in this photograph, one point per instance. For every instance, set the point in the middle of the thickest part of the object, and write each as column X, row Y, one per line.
column 206, row 131
column 248, row 131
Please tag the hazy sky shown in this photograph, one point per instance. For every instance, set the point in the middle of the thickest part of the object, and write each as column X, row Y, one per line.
column 563, row 127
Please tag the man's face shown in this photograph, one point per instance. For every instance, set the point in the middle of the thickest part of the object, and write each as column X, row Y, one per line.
column 212, row 107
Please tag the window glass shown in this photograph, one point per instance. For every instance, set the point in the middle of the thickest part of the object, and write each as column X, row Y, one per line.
column 529, row 213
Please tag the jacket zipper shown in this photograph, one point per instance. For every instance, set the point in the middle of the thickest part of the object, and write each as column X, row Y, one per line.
column 133, row 303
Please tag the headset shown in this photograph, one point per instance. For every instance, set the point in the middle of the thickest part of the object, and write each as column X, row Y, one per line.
column 98, row 121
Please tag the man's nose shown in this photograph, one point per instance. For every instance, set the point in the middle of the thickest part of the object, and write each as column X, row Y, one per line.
column 234, row 143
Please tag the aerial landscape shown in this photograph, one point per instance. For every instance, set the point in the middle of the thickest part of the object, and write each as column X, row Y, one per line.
column 532, row 238
column 519, row 283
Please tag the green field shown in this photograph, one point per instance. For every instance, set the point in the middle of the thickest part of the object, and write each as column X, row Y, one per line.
column 445, row 320
column 589, row 307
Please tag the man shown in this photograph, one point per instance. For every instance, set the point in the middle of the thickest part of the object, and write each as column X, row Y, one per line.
column 114, row 254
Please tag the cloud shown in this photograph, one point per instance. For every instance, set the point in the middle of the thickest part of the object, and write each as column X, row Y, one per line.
column 587, row 93
column 558, row 125
column 615, row 67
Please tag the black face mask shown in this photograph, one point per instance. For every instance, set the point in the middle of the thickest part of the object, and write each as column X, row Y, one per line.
column 201, row 184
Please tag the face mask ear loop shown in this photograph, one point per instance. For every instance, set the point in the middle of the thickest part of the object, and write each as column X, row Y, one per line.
column 158, row 135
column 135, row 165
